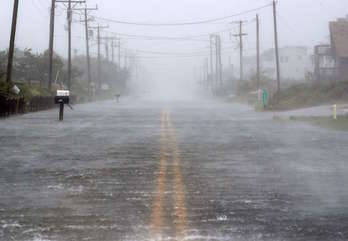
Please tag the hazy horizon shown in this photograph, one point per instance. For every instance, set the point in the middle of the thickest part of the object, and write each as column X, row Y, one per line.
column 300, row 23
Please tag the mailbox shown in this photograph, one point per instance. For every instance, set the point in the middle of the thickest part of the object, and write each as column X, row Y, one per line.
column 16, row 90
column 62, row 97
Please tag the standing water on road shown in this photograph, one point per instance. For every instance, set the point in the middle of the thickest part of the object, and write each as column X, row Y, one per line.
column 175, row 120
column 174, row 171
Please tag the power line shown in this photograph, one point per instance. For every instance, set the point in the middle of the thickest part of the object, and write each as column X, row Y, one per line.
column 184, row 23
column 285, row 23
column 173, row 53
column 203, row 51
column 188, row 37
column 39, row 8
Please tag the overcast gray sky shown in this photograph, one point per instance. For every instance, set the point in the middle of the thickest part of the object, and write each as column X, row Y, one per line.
column 301, row 22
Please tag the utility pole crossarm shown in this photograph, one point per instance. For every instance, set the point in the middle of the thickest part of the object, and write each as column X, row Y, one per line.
column 240, row 35
column 99, row 26
column 87, row 9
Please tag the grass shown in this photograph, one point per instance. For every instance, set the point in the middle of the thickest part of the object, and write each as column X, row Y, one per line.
column 245, row 98
column 325, row 121
column 308, row 95
column 297, row 96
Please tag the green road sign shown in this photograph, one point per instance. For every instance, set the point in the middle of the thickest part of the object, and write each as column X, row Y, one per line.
column 265, row 97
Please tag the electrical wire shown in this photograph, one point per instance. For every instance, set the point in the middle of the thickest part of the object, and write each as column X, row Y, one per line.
column 189, row 37
column 40, row 8
column 172, row 53
column 184, row 23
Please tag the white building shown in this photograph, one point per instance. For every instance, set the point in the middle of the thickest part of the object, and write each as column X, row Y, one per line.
column 295, row 63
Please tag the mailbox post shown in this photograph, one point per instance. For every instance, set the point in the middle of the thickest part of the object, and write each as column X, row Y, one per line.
column 62, row 98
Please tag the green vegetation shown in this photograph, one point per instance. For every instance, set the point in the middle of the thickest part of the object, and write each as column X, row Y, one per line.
column 250, row 98
column 246, row 91
column 27, row 91
column 307, row 95
column 247, row 86
column 30, row 74
column 3, row 61
column 296, row 96
column 327, row 122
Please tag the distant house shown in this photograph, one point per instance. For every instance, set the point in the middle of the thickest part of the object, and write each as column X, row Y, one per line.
column 339, row 46
column 295, row 62
column 323, row 62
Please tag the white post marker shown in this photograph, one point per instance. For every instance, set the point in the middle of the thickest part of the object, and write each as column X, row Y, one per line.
column 334, row 108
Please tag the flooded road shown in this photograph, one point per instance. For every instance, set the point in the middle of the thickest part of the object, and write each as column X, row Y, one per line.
column 170, row 171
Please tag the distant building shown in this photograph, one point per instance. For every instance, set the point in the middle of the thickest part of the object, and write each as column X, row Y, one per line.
column 339, row 46
column 324, row 64
column 295, row 63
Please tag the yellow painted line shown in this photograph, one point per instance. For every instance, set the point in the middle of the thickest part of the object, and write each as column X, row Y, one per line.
column 157, row 216
column 180, row 220
column 168, row 149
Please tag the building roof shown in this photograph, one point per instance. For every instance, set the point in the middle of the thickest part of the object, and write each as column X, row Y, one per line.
column 339, row 38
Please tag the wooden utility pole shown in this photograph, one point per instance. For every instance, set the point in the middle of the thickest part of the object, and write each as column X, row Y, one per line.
column 216, row 60
column 258, row 51
column 276, row 45
column 220, row 59
column 119, row 53
column 112, row 50
column 69, row 19
column 69, row 43
column 135, row 59
column 87, row 55
column 125, row 59
column 241, row 50
column 88, row 58
column 113, row 45
column 99, row 59
column 51, row 42
column 98, row 27
column 87, row 51
column 206, row 67
column 240, row 35
column 211, row 63
column 107, row 47
column 106, row 43
column 12, row 42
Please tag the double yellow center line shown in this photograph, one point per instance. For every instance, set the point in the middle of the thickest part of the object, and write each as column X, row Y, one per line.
column 169, row 158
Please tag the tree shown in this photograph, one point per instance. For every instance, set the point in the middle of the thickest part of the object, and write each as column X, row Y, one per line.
column 3, row 64
column 29, row 66
column 42, row 66
column 76, row 73
column 25, row 67
column 111, row 74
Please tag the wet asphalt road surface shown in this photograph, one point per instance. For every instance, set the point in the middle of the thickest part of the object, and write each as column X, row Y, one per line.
column 147, row 170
